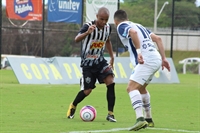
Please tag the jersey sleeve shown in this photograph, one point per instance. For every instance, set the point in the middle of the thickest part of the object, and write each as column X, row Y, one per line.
column 123, row 30
column 84, row 28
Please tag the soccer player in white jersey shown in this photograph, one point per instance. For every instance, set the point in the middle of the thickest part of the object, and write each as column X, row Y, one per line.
column 140, row 44
column 95, row 36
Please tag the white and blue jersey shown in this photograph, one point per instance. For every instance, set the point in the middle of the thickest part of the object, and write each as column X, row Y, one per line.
column 147, row 46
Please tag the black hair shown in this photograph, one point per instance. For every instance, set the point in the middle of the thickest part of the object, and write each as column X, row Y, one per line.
column 120, row 15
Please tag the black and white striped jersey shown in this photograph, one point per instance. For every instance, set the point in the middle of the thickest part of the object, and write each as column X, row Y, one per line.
column 94, row 44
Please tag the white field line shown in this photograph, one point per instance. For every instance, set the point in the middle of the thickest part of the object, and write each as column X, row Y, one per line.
column 174, row 130
column 126, row 129
column 101, row 131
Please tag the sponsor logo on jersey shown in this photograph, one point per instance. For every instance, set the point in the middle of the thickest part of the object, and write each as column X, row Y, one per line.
column 97, row 45
column 92, row 57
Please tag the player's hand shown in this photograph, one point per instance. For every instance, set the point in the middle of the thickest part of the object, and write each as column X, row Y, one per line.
column 140, row 59
column 165, row 64
column 91, row 29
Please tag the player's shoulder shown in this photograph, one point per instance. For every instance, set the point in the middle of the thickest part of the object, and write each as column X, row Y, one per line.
column 108, row 26
column 86, row 26
column 89, row 23
column 125, row 23
column 140, row 25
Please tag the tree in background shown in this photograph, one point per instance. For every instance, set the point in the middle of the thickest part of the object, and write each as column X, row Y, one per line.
column 186, row 14
column 142, row 11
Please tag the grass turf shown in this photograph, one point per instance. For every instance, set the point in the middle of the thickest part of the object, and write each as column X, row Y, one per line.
column 42, row 108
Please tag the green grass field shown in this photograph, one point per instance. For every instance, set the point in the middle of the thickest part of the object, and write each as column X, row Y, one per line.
column 42, row 108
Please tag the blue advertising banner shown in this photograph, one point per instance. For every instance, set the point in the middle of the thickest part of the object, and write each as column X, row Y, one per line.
column 69, row 11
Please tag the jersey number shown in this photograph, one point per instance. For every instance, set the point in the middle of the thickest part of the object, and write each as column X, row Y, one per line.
column 144, row 31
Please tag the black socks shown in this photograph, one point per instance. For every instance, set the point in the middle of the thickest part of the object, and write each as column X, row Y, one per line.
column 80, row 96
column 111, row 96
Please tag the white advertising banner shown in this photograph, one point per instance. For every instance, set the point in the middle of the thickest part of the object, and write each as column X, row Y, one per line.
column 92, row 7
column 66, row 70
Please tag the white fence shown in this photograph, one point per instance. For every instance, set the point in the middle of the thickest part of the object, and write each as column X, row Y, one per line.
column 182, row 40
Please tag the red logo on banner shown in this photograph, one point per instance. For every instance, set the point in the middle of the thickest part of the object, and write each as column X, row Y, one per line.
column 24, row 9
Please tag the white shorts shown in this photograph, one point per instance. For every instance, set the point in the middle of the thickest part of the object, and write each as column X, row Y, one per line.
column 143, row 73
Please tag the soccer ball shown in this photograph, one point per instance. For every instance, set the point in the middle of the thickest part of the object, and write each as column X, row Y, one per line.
column 88, row 113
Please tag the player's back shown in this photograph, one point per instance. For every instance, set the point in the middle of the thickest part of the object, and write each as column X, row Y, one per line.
column 147, row 46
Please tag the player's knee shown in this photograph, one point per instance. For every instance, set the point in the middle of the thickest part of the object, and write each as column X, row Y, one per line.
column 128, row 89
column 109, row 80
column 87, row 92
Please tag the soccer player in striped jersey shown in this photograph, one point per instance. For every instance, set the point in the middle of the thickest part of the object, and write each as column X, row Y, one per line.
column 143, row 54
column 95, row 37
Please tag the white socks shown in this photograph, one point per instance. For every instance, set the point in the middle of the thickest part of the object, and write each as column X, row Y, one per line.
column 146, row 105
column 136, row 101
